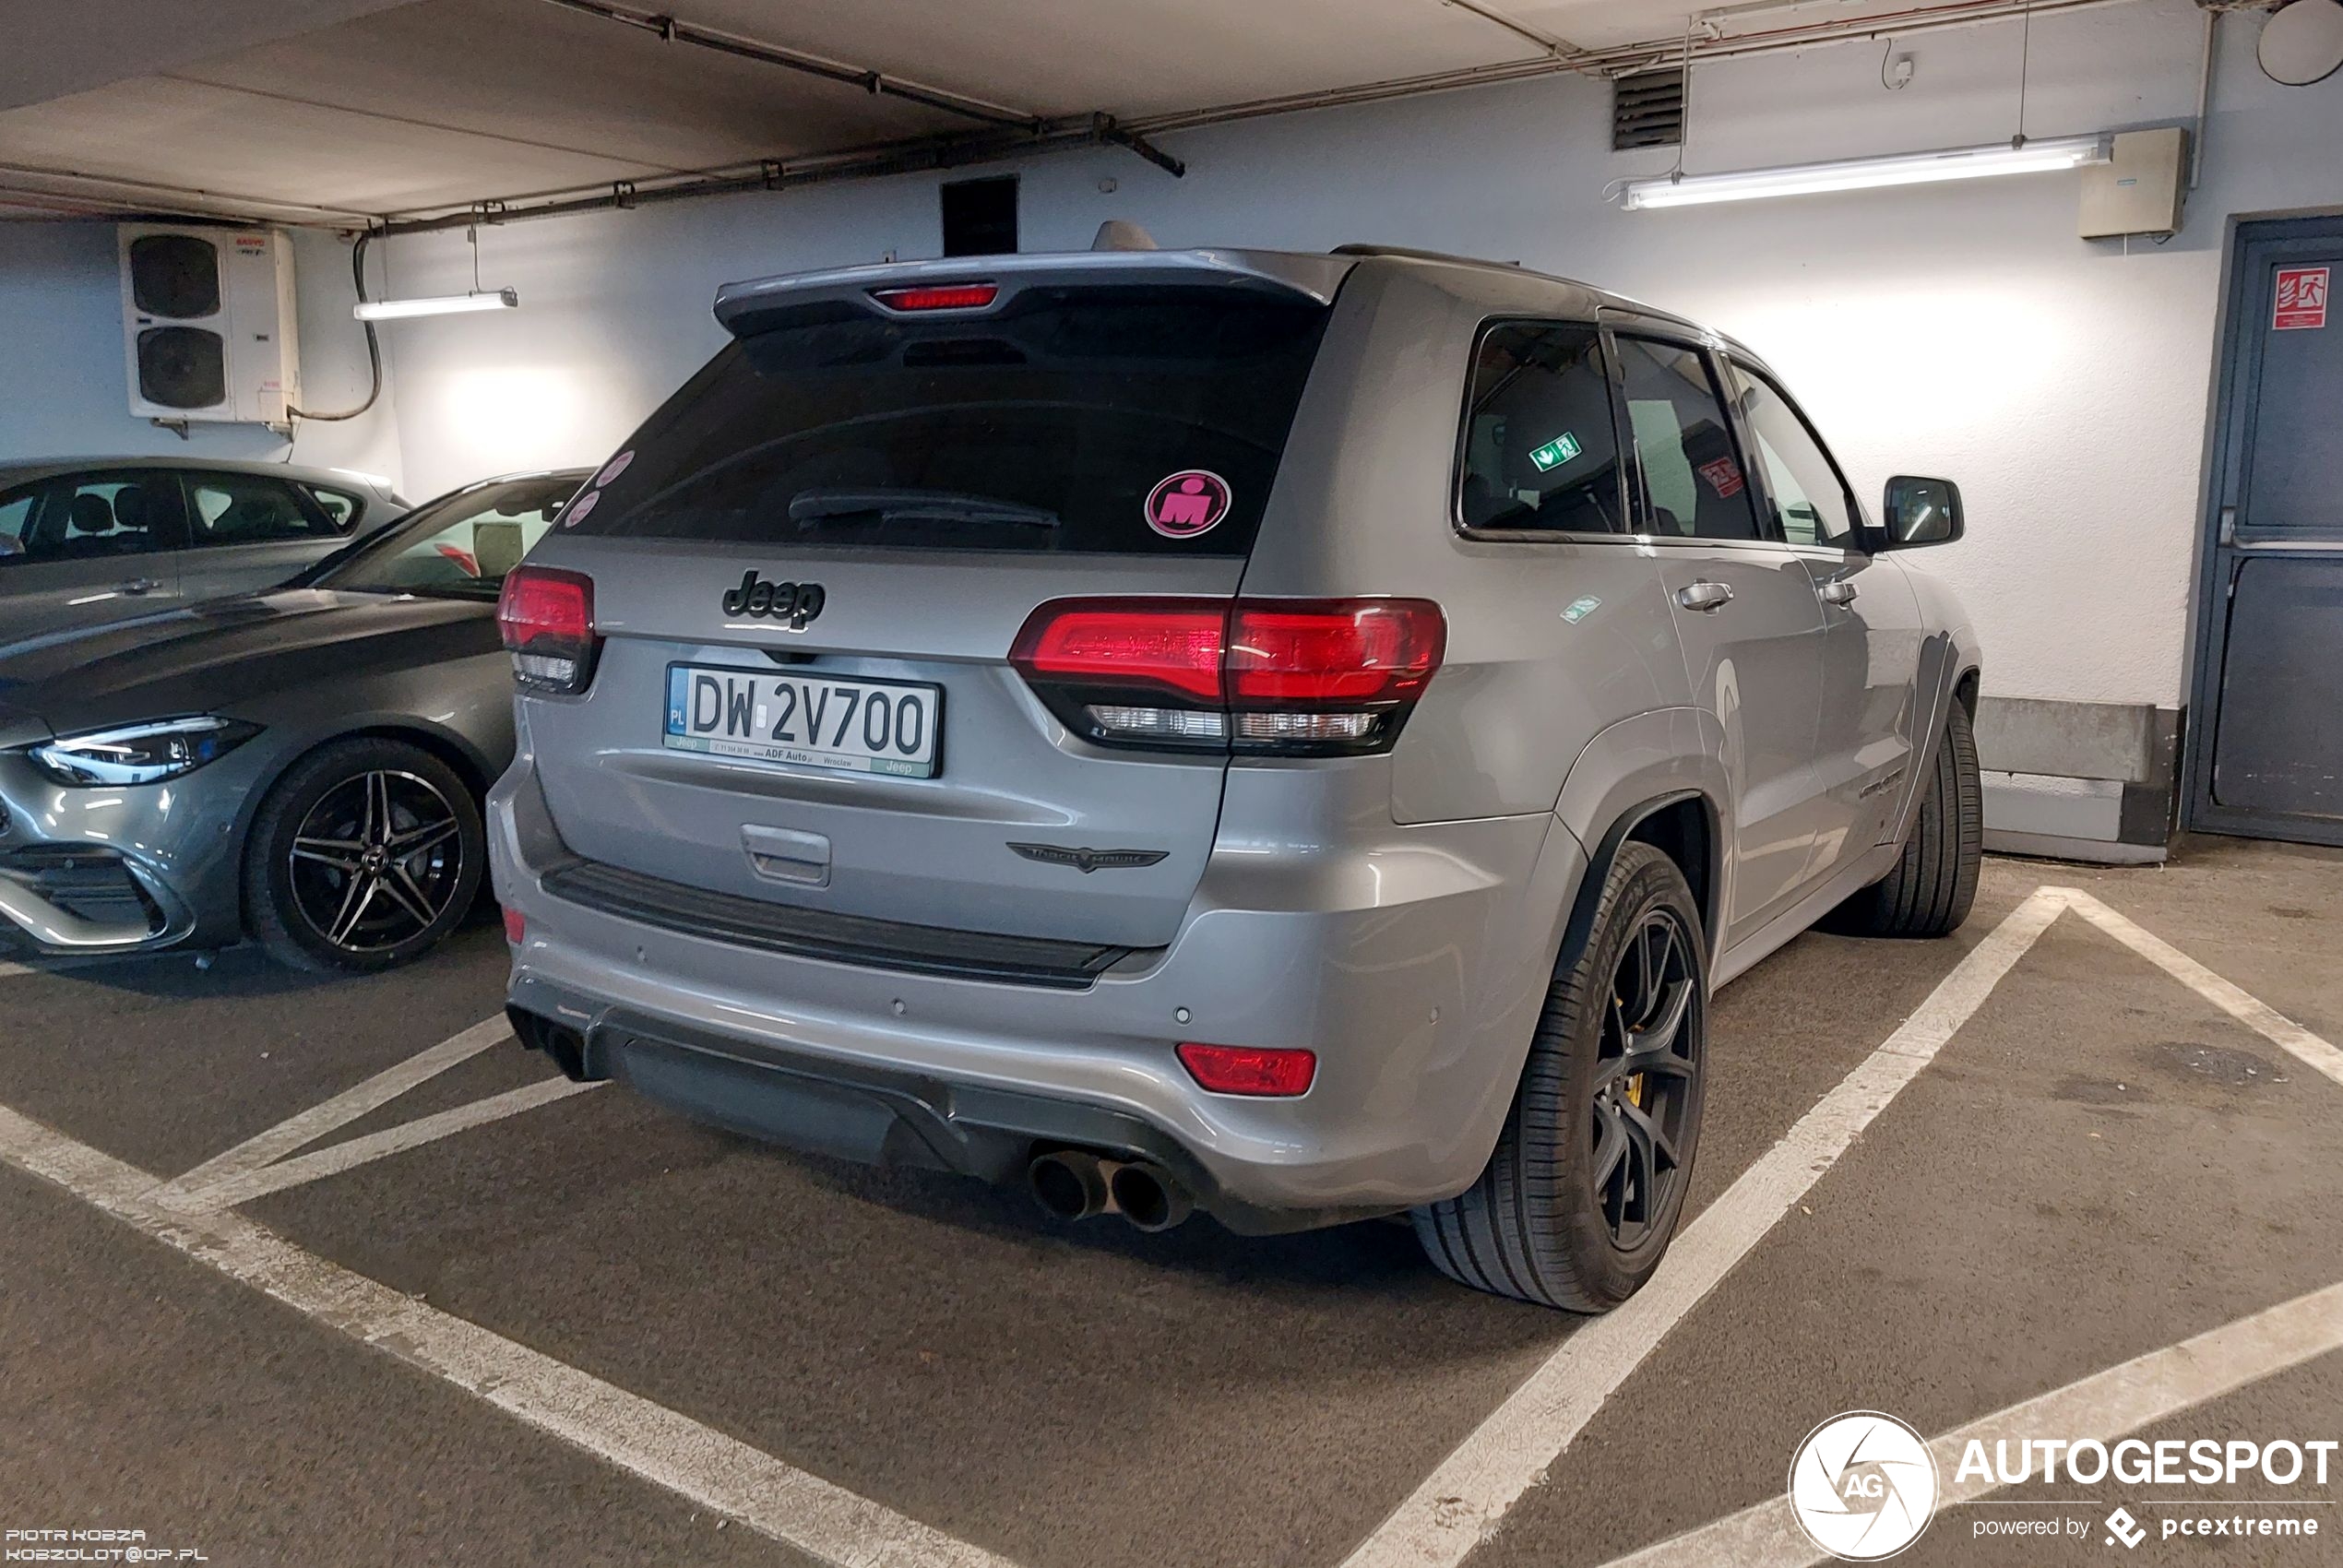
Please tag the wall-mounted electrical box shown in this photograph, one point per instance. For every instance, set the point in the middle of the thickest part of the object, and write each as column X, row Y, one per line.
column 2137, row 190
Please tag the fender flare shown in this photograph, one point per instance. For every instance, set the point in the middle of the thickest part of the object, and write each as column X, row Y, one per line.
column 1625, row 774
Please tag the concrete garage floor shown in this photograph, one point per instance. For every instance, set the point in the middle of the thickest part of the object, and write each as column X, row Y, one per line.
column 2100, row 1163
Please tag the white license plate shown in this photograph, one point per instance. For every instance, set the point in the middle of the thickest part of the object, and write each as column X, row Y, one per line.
column 813, row 721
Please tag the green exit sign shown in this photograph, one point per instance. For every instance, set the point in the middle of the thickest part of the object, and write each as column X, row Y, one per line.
column 1555, row 453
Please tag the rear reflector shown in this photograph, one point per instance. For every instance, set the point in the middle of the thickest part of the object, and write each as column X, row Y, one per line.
column 515, row 926
column 937, row 296
column 1303, row 677
column 547, row 619
column 1249, row 1069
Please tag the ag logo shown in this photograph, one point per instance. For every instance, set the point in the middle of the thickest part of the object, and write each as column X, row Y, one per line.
column 1862, row 1486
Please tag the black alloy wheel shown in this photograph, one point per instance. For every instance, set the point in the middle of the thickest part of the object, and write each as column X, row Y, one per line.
column 1644, row 1081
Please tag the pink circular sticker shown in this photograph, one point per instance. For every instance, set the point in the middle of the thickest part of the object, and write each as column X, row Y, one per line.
column 1188, row 502
column 614, row 467
column 575, row 513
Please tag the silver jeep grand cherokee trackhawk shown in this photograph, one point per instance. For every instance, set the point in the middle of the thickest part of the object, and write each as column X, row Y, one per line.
column 1293, row 736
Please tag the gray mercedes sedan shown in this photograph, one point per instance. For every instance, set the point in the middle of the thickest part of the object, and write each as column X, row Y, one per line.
column 86, row 540
column 303, row 767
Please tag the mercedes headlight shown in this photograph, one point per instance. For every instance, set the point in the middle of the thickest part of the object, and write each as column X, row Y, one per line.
column 141, row 754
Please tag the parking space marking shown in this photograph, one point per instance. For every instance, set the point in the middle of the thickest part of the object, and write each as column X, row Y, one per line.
column 670, row 1450
column 290, row 1134
column 1463, row 1500
column 338, row 1157
column 2251, row 1011
column 2107, row 1406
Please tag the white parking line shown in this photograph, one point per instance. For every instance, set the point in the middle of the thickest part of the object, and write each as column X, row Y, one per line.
column 338, row 1157
column 2251, row 1011
column 720, row 1473
column 8, row 970
column 2106, row 1406
column 290, row 1134
column 1468, row 1495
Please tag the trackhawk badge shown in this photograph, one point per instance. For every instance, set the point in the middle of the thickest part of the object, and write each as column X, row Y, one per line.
column 1087, row 861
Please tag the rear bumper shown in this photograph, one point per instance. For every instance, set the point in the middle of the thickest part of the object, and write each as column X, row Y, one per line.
column 1413, row 964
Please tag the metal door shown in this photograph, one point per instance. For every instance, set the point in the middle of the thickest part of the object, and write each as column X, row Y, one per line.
column 2268, row 756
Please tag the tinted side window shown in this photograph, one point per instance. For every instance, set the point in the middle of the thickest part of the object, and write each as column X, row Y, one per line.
column 341, row 510
column 1691, row 471
column 243, row 510
column 1540, row 451
column 98, row 517
column 1810, row 501
column 16, row 522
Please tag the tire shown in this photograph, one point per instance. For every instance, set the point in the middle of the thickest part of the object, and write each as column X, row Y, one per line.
column 1934, row 881
column 1572, row 1211
column 328, row 887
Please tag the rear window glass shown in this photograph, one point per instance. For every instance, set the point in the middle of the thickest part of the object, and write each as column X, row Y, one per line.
column 1123, row 420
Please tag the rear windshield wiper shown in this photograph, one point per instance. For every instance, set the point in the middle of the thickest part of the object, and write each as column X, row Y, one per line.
column 916, row 505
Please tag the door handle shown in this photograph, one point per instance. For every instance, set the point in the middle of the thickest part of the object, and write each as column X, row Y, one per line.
column 1838, row 591
column 1705, row 597
column 140, row 585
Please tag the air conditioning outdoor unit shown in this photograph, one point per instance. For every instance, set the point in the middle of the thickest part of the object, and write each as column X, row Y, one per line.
column 208, row 322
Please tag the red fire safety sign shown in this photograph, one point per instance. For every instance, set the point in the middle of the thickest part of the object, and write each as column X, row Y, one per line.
column 2301, row 299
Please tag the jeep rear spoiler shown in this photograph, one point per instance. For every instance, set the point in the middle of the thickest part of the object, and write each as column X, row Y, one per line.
column 743, row 308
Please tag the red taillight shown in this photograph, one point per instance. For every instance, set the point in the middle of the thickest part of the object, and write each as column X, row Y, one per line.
column 547, row 619
column 1332, row 652
column 1249, row 1069
column 1311, row 676
column 937, row 296
column 1174, row 644
column 515, row 926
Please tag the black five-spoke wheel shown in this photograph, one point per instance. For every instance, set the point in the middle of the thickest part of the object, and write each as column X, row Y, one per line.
column 367, row 852
column 1644, row 1072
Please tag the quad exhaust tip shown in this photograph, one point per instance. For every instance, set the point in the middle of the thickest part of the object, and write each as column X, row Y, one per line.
column 1076, row 1184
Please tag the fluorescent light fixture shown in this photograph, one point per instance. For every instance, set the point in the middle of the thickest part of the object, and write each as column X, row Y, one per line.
column 2037, row 156
column 437, row 304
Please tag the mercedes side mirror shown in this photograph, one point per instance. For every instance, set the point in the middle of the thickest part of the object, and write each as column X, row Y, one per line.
column 1921, row 511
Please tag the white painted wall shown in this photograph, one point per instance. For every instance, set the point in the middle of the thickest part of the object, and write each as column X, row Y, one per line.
column 1962, row 329
column 64, row 384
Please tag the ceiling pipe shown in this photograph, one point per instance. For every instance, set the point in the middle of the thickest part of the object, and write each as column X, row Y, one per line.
column 879, row 84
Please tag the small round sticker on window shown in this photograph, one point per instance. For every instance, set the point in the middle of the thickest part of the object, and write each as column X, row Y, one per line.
column 1188, row 502
column 575, row 513
column 614, row 467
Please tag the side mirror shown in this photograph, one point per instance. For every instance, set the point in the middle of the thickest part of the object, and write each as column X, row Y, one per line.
column 1921, row 511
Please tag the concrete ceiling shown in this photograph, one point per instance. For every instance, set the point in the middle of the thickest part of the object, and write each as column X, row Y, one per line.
column 330, row 111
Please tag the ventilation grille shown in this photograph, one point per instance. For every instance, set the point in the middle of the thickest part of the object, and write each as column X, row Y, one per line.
column 1647, row 110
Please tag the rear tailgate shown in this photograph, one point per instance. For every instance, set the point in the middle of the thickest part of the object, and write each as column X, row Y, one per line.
column 849, row 515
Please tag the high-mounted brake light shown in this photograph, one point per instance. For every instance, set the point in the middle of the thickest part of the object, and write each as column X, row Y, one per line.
column 1308, row 676
column 1265, row 1071
column 547, row 619
column 937, row 296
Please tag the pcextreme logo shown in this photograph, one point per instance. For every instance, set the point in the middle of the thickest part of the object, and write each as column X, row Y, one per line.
column 1862, row 1486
